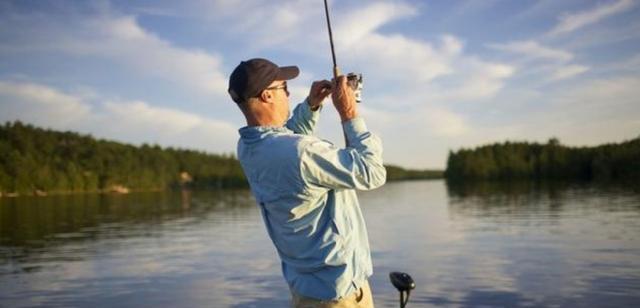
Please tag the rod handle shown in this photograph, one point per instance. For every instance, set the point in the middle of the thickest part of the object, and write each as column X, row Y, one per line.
column 336, row 72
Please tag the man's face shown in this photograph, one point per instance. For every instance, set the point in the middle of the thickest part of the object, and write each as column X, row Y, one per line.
column 280, row 94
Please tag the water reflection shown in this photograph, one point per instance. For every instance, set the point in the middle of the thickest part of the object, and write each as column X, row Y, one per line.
column 143, row 249
column 489, row 244
column 548, row 244
column 35, row 221
column 542, row 202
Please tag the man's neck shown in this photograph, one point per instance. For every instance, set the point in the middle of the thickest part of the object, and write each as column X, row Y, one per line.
column 264, row 121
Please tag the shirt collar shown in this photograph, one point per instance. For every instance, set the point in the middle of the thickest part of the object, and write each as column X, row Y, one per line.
column 258, row 132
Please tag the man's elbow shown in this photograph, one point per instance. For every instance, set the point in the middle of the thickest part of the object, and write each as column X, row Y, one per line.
column 381, row 177
column 376, row 178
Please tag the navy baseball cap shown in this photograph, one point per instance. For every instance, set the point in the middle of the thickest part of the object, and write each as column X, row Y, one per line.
column 250, row 77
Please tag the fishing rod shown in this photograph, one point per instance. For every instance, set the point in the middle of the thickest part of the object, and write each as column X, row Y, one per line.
column 336, row 70
column 354, row 80
column 402, row 281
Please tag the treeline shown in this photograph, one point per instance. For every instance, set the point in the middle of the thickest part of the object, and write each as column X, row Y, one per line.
column 523, row 160
column 395, row 173
column 37, row 161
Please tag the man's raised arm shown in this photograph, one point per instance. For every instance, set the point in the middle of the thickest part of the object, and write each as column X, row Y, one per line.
column 306, row 114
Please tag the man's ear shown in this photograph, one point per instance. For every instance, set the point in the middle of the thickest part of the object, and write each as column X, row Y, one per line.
column 266, row 96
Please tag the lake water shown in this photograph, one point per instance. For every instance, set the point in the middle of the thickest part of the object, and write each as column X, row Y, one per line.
column 519, row 245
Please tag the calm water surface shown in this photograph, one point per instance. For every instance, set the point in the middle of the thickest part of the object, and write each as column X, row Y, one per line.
column 523, row 245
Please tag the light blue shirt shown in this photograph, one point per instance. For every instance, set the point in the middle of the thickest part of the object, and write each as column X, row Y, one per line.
column 305, row 188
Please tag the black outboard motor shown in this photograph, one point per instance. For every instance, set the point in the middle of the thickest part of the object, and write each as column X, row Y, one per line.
column 404, row 283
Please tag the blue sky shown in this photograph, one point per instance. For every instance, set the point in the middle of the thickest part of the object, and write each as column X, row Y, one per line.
column 439, row 75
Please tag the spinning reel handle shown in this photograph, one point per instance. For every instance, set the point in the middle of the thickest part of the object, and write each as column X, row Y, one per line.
column 354, row 80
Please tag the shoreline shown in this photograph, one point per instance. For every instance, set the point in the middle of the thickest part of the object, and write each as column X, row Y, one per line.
column 122, row 190
column 40, row 193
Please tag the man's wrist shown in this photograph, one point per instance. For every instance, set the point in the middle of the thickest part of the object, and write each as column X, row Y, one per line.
column 346, row 116
column 312, row 106
column 354, row 127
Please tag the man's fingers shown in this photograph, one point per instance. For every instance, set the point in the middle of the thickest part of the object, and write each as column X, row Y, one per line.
column 325, row 84
column 321, row 88
column 321, row 85
column 324, row 92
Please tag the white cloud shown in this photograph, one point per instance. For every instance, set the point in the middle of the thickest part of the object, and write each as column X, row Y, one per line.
column 399, row 58
column 256, row 24
column 296, row 24
column 355, row 26
column 551, row 65
column 587, row 113
column 139, row 115
column 568, row 71
column 574, row 21
column 123, row 40
column 599, row 93
column 119, row 39
column 40, row 104
column 409, row 62
column 594, row 112
column 438, row 70
column 428, row 121
column 534, row 50
column 128, row 121
column 478, row 80
column 445, row 123
column 137, row 121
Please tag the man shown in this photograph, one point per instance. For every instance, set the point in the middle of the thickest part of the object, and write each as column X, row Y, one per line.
column 305, row 186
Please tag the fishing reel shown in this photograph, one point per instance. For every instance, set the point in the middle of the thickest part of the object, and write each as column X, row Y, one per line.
column 355, row 83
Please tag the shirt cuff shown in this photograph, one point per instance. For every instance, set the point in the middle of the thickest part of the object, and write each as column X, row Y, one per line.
column 306, row 103
column 354, row 127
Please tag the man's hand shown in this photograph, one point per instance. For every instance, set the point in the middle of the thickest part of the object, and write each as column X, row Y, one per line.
column 319, row 91
column 343, row 99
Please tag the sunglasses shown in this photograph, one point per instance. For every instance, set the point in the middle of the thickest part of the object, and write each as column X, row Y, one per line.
column 282, row 86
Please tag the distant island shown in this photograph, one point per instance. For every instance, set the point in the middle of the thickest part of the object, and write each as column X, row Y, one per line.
column 37, row 161
column 550, row 161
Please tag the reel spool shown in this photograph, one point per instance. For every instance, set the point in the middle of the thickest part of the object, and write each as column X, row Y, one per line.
column 355, row 82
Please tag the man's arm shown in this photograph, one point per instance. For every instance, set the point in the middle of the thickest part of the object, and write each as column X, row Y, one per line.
column 359, row 165
column 304, row 119
column 306, row 114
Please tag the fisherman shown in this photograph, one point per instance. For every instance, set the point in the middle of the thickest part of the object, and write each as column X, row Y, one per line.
column 306, row 187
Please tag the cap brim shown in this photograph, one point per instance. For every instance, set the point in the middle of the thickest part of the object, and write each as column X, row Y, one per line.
column 287, row 73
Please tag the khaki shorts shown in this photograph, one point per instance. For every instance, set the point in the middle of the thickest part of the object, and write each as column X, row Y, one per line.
column 361, row 298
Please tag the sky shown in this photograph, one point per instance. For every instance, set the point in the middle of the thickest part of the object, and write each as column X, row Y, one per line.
column 438, row 75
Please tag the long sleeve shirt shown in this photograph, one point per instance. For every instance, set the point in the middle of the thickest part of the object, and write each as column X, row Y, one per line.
column 306, row 188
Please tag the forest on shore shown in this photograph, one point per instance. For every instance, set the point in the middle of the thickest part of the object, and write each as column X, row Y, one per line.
column 40, row 161
column 550, row 161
